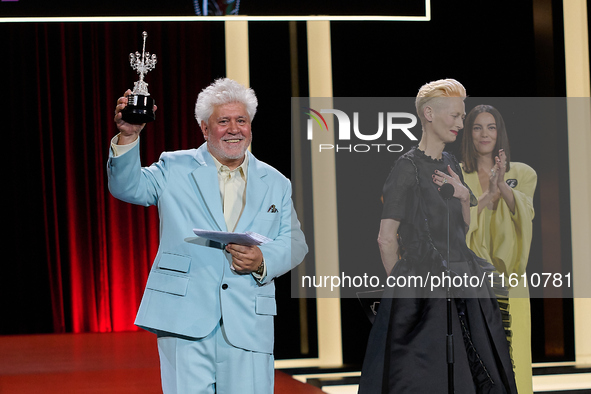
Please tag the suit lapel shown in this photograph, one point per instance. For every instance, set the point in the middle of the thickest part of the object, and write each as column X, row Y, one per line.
column 206, row 179
column 256, row 189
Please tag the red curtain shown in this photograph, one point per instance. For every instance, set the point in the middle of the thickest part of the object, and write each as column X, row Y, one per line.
column 62, row 81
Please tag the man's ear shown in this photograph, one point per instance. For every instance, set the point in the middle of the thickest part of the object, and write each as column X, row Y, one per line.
column 204, row 129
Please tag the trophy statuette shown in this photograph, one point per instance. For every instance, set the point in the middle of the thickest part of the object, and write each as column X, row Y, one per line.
column 140, row 106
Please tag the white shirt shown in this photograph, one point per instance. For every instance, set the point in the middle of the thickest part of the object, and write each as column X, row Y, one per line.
column 232, row 187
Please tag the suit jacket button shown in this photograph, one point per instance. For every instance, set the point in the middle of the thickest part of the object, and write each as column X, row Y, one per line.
column 224, row 286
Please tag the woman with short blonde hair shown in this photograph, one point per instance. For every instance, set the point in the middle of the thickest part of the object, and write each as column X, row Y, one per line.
column 407, row 351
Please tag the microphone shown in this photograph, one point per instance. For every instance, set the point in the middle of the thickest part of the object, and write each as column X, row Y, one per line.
column 447, row 191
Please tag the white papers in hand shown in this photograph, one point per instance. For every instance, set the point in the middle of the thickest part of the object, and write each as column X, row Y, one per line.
column 224, row 237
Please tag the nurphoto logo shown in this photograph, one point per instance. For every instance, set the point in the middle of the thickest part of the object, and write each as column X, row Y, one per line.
column 393, row 123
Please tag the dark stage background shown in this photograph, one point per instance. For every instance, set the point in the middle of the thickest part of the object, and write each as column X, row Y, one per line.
column 77, row 259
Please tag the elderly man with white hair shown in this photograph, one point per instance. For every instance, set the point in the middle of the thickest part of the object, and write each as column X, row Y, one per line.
column 211, row 305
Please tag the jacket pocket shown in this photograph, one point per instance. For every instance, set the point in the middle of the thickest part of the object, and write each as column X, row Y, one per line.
column 265, row 305
column 174, row 262
column 165, row 283
column 267, row 224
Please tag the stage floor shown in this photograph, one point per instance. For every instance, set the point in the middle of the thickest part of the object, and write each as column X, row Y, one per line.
column 127, row 363
column 114, row 363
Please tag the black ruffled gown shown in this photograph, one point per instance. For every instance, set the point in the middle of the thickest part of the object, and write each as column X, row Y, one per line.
column 406, row 350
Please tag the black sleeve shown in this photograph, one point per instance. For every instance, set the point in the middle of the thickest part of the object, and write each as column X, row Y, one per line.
column 398, row 189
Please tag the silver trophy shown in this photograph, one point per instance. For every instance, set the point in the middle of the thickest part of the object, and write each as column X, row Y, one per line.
column 140, row 106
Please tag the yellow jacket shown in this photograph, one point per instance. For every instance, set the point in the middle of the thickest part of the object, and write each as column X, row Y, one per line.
column 504, row 239
column 499, row 236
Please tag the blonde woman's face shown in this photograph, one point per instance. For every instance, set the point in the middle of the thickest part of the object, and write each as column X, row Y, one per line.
column 447, row 118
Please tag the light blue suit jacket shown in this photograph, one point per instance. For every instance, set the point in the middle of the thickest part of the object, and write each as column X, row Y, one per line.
column 191, row 286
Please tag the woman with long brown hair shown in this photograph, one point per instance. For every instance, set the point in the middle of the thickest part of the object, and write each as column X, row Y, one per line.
column 501, row 223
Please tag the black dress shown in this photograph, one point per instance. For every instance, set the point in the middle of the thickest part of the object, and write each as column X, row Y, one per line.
column 406, row 350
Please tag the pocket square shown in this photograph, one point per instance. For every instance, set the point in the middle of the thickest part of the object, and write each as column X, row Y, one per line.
column 272, row 209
